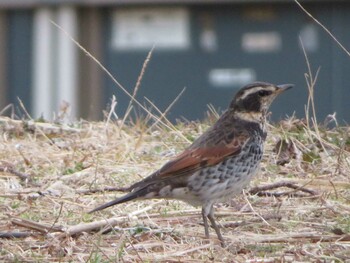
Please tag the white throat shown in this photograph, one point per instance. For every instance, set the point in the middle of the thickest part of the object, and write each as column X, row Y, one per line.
column 257, row 117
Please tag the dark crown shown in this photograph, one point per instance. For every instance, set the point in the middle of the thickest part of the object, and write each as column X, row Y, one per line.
column 255, row 97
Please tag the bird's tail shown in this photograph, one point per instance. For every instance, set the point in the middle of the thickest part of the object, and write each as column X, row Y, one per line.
column 128, row 197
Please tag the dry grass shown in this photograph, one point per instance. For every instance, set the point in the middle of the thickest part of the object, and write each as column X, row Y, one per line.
column 47, row 170
column 51, row 175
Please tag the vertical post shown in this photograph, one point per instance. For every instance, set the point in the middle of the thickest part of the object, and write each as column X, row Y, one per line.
column 338, row 76
column 67, row 80
column 3, row 61
column 91, row 88
column 43, row 85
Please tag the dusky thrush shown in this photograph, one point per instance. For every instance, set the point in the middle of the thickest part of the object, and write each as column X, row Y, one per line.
column 218, row 164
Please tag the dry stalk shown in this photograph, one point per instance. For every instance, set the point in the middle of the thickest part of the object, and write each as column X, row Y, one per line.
column 184, row 252
column 163, row 114
column 323, row 27
column 175, row 233
column 111, row 112
column 24, row 108
column 213, row 111
column 311, row 81
column 10, row 108
column 113, row 78
column 137, row 86
column 256, row 213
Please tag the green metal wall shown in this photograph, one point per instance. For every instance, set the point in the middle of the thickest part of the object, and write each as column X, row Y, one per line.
column 19, row 58
column 170, row 71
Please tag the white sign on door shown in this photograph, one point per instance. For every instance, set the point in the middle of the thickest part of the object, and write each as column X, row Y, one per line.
column 141, row 28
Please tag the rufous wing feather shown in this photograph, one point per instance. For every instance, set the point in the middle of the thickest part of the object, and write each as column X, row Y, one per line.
column 192, row 159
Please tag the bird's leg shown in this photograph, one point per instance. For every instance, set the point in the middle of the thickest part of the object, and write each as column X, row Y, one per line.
column 205, row 221
column 215, row 226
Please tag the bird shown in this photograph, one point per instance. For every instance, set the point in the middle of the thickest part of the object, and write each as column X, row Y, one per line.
column 219, row 163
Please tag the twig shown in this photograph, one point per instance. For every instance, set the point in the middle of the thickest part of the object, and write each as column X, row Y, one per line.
column 289, row 193
column 104, row 224
column 43, row 228
column 93, row 226
column 9, row 169
column 244, row 223
column 105, row 189
column 15, row 234
column 296, row 237
column 258, row 190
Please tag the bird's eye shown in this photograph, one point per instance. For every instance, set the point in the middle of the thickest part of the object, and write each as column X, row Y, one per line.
column 263, row 93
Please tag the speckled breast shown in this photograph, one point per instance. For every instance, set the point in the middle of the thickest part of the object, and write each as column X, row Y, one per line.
column 230, row 176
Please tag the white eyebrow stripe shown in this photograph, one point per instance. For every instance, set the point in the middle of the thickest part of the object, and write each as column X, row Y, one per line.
column 250, row 91
column 253, row 90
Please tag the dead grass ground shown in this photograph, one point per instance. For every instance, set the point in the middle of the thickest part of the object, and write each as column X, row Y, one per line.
column 48, row 173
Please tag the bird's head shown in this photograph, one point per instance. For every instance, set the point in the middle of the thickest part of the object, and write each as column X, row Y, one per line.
column 253, row 100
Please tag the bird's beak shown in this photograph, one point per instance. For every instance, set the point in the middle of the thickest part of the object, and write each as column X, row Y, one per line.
column 284, row 87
